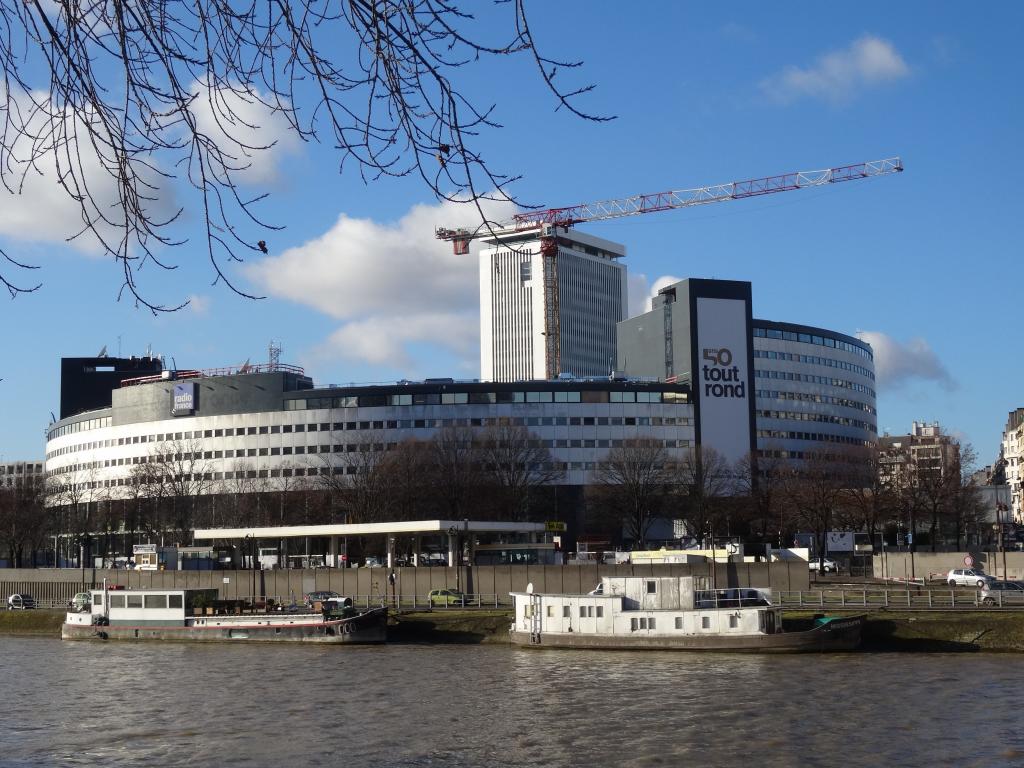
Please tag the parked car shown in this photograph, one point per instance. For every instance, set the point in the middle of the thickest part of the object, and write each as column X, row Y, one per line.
column 968, row 577
column 1012, row 592
column 20, row 602
column 829, row 566
column 319, row 597
column 448, row 597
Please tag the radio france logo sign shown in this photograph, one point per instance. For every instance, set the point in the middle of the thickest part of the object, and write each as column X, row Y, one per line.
column 184, row 403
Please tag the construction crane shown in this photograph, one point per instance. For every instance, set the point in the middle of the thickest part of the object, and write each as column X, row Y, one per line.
column 545, row 222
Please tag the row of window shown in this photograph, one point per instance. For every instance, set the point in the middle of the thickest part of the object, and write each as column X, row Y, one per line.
column 808, row 397
column 79, row 426
column 243, row 453
column 143, row 601
column 482, row 398
column 828, row 362
column 347, row 426
column 819, row 437
column 810, row 338
column 822, row 418
column 809, row 379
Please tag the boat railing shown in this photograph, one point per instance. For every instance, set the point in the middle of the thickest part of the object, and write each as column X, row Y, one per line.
column 884, row 597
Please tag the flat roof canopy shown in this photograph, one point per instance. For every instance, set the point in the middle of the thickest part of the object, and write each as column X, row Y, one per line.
column 367, row 529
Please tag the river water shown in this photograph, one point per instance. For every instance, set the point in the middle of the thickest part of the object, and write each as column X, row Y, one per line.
column 412, row 706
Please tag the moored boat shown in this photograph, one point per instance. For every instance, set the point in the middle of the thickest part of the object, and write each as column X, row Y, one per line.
column 180, row 615
column 675, row 613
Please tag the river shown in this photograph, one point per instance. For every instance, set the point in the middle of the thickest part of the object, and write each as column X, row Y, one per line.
column 409, row 706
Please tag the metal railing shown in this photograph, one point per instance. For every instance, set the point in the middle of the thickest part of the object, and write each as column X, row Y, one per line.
column 882, row 597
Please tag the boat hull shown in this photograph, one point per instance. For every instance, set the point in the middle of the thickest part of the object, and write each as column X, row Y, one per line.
column 366, row 628
column 837, row 635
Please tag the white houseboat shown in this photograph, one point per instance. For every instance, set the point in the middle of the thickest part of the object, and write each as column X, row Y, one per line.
column 194, row 615
column 670, row 613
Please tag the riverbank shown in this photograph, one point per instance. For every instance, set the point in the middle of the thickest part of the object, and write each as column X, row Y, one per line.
column 885, row 631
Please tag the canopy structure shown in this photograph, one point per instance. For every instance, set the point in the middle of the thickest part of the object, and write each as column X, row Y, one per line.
column 453, row 529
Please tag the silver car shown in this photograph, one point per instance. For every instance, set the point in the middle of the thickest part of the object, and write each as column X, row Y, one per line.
column 1002, row 593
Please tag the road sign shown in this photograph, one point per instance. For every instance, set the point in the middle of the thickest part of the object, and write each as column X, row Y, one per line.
column 968, row 561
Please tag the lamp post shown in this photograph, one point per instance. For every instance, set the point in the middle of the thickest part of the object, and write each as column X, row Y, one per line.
column 1000, row 507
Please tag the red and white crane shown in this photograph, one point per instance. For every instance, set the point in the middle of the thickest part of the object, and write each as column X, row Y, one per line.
column 665, row 201
column 546, row 221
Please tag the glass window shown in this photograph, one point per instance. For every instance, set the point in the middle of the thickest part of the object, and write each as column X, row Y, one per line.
column 156, row 601
column 652, row 587
column 633, row 625
column 174, row 601
column 600, row 611
column 116, row 601
column 733, row 621
column 679, row 622
column 482, row 398
column 705, row 622
column 134, row 601
column 565, row 612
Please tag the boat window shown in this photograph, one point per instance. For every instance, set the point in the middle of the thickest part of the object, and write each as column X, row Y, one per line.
column 734, row 622
column 566, row 613
column 633, row 624
column 551, row 611
column 174, row 601
column 97, row 598
column 652, row 587
column 600, row 611
column 156, row 601
column 705, row 622
column 650, row 623
column 528, row 611
column 117, row 601
column 134, row 601
column 583, row 612
column 679, row 622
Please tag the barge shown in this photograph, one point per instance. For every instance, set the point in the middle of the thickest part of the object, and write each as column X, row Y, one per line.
column 676, row 613
column 183, row 615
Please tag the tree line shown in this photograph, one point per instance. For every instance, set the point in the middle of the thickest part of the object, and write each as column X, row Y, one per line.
column 505, row 472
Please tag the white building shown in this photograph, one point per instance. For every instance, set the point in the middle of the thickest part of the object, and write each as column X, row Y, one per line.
column 542, row 314
column 1013, row 461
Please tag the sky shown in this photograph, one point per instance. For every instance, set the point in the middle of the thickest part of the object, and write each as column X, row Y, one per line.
column 357, row 289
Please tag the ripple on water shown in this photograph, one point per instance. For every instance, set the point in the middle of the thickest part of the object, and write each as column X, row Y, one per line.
column 453, row 706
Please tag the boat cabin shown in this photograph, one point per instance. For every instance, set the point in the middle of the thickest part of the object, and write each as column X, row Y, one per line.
column 143, row 607
column 662, row 606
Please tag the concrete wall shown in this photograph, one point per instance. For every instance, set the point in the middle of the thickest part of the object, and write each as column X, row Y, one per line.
column 928, row 564
column 59, row 585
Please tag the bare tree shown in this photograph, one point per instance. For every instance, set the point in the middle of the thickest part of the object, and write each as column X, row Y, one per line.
column 23, row 524
column 356, row 479
column 407, row 470
column 814, row 491
column 455, row 470
column 706, row 480
column 634, row 482
column 762, row 481
column 519, row 464
column 869, row 496
column 141, row 93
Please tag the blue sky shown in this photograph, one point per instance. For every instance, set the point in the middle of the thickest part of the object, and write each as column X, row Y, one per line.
column 359, row 291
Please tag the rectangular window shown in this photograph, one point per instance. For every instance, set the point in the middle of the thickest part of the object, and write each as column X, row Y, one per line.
column 600, row 611
column 633, row 625
column 117, row 601
column 734, row 621
column 583, row 612
column 705, row 622
column 650, row 623
column 551, row 611
column 565, row 612
column 134, row 601
column 679, row 622
column 156, row 601
column 652, row 587
column 528, row 611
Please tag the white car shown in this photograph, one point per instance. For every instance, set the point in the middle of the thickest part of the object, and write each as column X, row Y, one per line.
column 829, row 566
column 968, row 577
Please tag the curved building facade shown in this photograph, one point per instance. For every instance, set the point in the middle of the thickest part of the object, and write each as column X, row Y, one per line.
column 275, row 426
column 814, row 388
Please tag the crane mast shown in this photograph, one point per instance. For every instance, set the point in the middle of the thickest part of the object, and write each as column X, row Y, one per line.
column 545, row 222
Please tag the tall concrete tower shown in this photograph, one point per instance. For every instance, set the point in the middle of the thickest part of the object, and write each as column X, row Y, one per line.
column 549, row 301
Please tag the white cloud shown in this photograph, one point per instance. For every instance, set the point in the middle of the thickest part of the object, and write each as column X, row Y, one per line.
column 393, row 286
column 200, row 305
column 641, row 291
column 839, row 75
column 249, row 132
column 897, row 363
